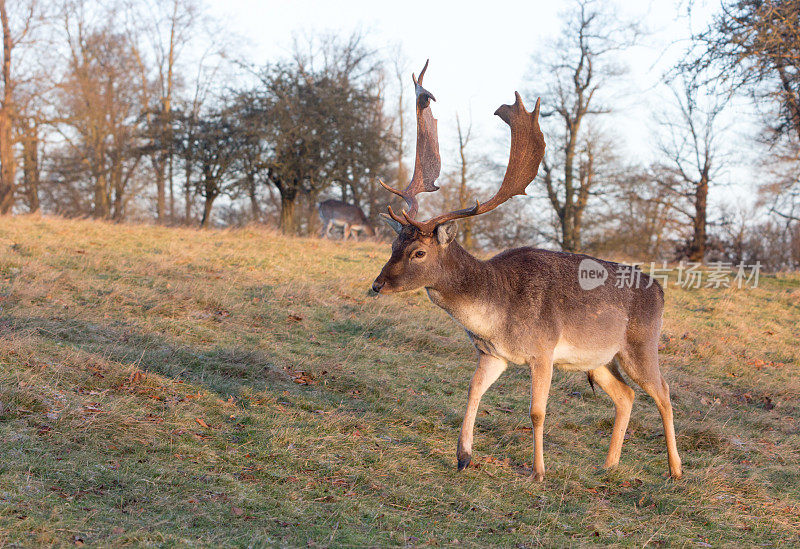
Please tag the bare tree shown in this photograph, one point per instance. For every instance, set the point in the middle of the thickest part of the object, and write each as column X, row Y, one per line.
column 30, row 137
column 580, row 66
column 187, row 118
column 400, row 71
column 254, row 151
column 169, row 27
column 754, row 45
column 639, row 219
column 781, row 192
column 17, row 23
column 7, row 161
column 101, row 99
column 692, row 156
column 325, row 123
column 216, row 143
column 744, row 235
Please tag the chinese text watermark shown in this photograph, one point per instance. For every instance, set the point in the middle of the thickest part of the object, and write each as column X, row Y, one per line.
column 687, row 275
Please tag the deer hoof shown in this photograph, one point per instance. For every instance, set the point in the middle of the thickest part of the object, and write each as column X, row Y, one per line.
column 538, row 477
column 463, row 462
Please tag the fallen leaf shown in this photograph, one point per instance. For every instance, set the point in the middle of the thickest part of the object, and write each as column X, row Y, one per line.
column 201, row 423
column 136, row 377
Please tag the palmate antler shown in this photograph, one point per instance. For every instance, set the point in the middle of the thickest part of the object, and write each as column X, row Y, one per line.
column 427, row 163
column 527, row 152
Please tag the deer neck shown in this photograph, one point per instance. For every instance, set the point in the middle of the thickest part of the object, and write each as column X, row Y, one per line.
column 464, row 290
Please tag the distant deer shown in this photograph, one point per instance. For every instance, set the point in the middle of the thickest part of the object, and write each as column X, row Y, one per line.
column 341, row 214
column 527, row 305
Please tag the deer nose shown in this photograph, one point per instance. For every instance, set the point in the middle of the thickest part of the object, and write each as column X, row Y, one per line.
column 377, row 285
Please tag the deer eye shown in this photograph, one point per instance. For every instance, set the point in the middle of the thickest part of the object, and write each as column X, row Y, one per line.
column 419, row 254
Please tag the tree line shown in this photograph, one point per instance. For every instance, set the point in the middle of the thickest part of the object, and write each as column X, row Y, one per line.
column 139, row 110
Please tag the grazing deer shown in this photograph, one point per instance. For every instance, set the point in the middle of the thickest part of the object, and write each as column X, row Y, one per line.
column 528, row 306
column 341, row 214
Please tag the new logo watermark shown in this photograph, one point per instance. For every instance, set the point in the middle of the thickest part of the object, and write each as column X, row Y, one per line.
column 591, row 274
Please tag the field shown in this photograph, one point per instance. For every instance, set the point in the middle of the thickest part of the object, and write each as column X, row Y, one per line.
column 169, row 387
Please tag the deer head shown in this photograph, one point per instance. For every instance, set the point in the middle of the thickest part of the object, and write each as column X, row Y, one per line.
column 422, row 252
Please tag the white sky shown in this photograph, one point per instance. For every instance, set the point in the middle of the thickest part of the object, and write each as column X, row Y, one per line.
column 480, row 53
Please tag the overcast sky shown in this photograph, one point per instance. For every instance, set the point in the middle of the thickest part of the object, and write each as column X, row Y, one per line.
column 480, row 53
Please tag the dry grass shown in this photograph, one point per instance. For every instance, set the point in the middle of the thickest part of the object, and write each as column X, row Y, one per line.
column 171, row 387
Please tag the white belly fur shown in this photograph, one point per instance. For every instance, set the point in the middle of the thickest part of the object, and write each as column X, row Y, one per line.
column 570, row 357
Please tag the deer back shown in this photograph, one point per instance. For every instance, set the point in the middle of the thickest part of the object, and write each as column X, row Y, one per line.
column 342, row 211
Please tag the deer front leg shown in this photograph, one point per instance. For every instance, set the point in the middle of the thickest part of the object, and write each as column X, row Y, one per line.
column 541, row 375
column 489, row 369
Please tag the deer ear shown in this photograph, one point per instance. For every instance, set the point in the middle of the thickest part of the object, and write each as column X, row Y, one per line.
column 396, row 227
column 446, row 232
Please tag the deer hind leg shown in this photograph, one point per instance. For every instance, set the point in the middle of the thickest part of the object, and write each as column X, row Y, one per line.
column 489, row 369
column 541, row 376
column 610, row 381
column 640, row 362
column 345, row 231
column 327, row 228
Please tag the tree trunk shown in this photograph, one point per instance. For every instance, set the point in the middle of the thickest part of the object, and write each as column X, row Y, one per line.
column 791, row 98
column 569, row 236
column 187, row 192
column 697, row 249
column 30, row 162
column 117, row 212
column 210, row 193
column 568, row 243
column 401, row 170
column 171, row 189
column 7, row 166
column 287, row 221
column 100, row 197
column 161, row 196
column 209, row 203
column 167, row 109
column 251, row 191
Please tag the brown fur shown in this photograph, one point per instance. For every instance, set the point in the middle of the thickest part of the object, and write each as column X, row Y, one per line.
column 526, row 306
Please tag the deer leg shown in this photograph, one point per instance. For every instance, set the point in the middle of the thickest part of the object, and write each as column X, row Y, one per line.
column 641, row 364
column 328, row 228
column 489, row 369
column 345, row 231
column 541, row 376
column 610, row 380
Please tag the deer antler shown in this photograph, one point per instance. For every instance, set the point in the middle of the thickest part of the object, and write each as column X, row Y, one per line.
column 527, row 151
column 427, row 163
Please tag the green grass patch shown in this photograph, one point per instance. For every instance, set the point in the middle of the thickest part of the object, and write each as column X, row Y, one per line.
column 238, row 388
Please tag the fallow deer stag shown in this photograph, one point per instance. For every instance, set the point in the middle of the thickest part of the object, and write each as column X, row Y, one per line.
column 527, row 305
column 336, row 213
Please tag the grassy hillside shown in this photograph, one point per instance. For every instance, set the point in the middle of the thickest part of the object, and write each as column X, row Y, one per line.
column 169, row 386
